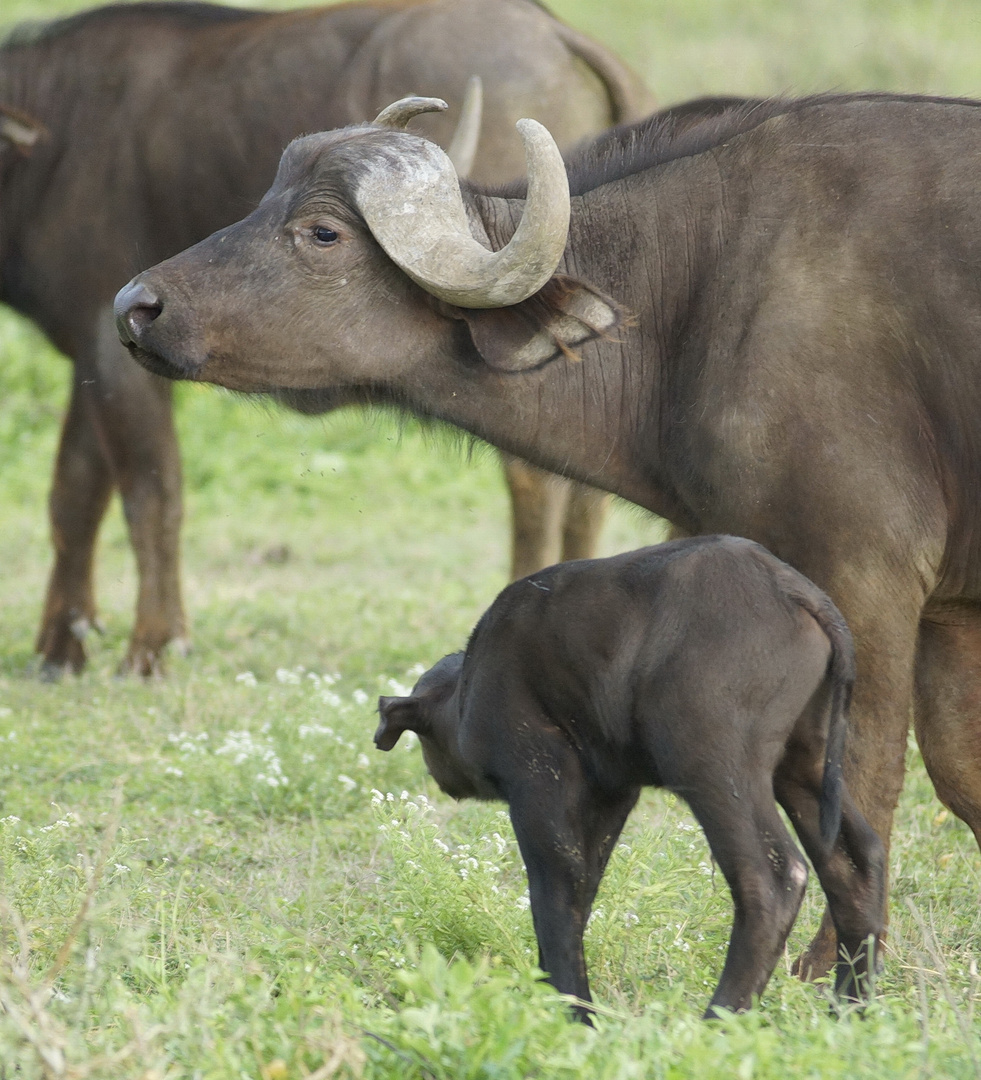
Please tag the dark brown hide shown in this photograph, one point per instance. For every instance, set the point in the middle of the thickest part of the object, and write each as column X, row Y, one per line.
column 165, row 123
column 802, row 368
column 705, row 666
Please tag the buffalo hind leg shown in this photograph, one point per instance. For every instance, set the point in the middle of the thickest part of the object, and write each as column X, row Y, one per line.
column 880, row 710
column 948, row 708
column 583, row 519
column 80, row 492
column 767, row 877
column 551, row 518
column 851, row 870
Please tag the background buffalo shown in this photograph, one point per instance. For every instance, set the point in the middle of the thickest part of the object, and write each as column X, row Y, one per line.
column 163, row 122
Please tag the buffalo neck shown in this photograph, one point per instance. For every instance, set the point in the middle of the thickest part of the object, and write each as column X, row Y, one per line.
column 645, row 241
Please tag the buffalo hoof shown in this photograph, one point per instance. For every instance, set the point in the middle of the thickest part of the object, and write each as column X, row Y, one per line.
column 148, row 661
column 818, row 959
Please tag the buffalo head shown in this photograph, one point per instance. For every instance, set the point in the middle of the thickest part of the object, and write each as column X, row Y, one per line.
column 432, row 711
column 360, row 266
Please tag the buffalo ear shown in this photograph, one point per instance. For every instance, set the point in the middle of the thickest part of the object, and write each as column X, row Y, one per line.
column 398, row 714
column 561, row 315
column 19, row 130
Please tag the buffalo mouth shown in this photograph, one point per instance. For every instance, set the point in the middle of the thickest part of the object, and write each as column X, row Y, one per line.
column 157, row 364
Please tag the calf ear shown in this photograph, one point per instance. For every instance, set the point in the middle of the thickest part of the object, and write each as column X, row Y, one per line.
column 19, row 130
column 398, row 714
column 563, row 314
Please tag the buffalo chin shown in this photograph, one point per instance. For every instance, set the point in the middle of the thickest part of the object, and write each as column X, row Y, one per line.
column 157, row 364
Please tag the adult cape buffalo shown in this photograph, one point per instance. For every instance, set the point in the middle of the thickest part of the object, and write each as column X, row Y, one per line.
column 800, row 364
column 164, row 122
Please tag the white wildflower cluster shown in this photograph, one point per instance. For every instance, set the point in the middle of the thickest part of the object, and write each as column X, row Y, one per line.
column 242, row 747
column 187, row 743
column 317, row 728
column 69, row 821
column 482, row 857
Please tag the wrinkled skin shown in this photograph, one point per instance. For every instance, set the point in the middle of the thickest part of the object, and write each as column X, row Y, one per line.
column 801, row 368
column 705, row 666
column 182, row 137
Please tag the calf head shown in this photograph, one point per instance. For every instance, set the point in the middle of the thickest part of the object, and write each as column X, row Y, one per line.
column 361, row 265
column 432, row 711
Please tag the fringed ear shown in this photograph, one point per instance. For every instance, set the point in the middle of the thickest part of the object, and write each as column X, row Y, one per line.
column 398, row 714
column 19, row 130
column 563, row 314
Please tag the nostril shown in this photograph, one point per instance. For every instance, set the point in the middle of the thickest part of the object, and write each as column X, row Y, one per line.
column 135, row 308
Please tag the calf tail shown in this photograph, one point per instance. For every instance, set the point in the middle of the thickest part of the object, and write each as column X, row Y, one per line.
column 841, row 676
column 841, row 671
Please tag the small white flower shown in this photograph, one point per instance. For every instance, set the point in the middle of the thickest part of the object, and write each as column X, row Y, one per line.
column 346, row 782
column 363, row 761
column 360, row 697
column 172, row 770
column 246, row 678
column 287, row 677
column 398, row 689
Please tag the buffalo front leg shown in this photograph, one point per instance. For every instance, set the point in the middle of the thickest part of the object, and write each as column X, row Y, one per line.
column 565, row 831
column 80, row 492
column 134, row 419
column 551, row 518
column 948, row 708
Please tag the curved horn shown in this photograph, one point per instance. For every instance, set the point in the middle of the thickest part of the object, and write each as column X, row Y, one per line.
column 398, row 114
column 463, row 146
column 414, row 208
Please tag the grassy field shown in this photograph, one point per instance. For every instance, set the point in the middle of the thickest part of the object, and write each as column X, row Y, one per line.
column 215, row 875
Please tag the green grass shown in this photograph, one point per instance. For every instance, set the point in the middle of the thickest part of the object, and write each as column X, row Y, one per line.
column 196, row 879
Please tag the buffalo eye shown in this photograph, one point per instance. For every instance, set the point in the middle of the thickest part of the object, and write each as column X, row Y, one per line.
column 323, row 235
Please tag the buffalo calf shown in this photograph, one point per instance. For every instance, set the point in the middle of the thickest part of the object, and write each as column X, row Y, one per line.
column 706, row 666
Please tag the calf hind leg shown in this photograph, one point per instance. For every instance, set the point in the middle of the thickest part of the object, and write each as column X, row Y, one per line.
column 851, row 870
column 767, row 877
